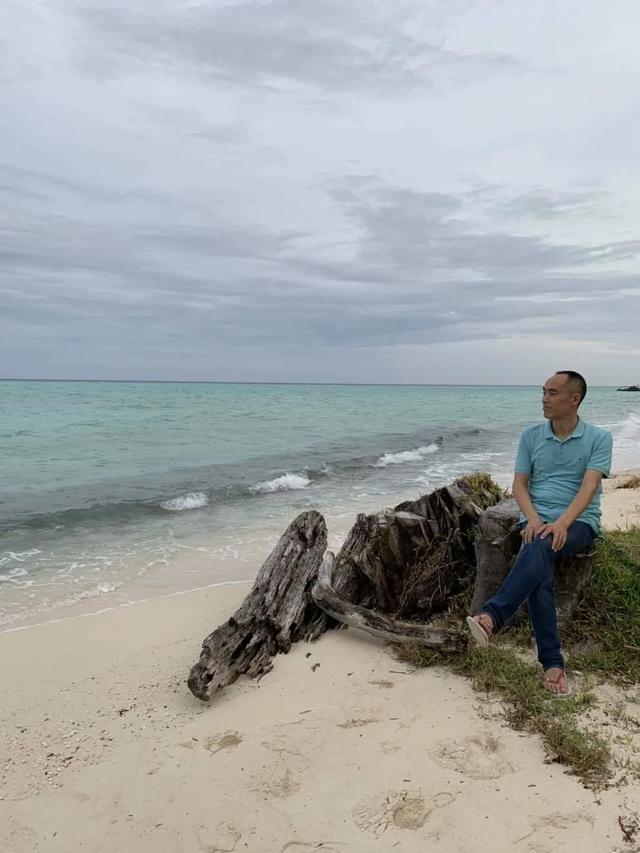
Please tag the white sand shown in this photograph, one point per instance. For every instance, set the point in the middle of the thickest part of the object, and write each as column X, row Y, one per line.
column 620, row 507
column 104, row 748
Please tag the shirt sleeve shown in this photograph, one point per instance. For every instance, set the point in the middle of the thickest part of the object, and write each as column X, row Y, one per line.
column 523, row 456
column 600, row 459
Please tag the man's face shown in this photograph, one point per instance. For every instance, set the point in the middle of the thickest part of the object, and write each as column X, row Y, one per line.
column 559, row 399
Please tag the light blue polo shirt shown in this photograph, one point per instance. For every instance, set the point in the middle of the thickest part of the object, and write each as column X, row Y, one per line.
column 556, row 467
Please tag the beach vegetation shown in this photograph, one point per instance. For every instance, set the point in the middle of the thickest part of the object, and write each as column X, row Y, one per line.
column 602, row 640
column 605, row 631
column 480, row 488
column 630, row 483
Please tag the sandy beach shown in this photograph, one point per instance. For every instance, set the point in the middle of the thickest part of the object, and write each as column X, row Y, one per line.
column 340, row 748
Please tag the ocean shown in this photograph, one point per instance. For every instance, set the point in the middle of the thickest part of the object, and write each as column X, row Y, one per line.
column 136, row 489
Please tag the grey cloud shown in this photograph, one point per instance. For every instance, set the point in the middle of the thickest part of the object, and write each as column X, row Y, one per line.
column 418, row 273
column 188, row 122
column 426, row 236
column 331, row 46
column 32, row 184
column 47, row 229
column 547, row 205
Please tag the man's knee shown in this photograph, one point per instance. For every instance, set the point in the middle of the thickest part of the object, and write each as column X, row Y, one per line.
column 539, row 546
column 543, row 544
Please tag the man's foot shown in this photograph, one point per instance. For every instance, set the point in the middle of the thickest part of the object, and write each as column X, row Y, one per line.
column 555, row 681
column 481, row 629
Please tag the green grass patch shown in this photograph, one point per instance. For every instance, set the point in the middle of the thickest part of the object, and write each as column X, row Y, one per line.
column 607, row 622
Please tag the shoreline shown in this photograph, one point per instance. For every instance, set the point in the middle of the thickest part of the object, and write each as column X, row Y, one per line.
column 340, row 747
column 617, row 513
column 120, row 606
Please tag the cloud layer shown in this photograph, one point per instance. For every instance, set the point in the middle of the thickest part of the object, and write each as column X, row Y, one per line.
column 332, row 191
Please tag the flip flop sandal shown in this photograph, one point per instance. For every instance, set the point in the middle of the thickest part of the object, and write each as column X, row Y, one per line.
column 564, row 694
column 478, row 633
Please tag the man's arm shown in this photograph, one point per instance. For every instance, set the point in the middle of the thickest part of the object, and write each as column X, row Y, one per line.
column 523, row 499
column 590, row 483
column 583, row 498
column 523, row 468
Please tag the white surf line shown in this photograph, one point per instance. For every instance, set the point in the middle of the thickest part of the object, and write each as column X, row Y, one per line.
column 124, row 604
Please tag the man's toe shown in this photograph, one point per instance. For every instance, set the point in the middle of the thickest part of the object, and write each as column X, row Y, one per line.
column 555, row 680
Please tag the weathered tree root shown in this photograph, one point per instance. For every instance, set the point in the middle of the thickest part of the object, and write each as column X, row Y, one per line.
column 277, row 612
column 377, row 623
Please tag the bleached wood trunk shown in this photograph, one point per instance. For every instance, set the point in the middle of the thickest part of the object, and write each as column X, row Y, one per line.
column 277, row 612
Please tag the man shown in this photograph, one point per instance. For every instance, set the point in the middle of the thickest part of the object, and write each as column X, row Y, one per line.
column 557, row 485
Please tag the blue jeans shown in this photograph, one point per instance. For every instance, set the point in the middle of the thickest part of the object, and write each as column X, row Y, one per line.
column 532, row 580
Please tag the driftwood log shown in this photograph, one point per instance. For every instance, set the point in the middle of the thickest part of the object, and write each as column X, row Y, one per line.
column 406, row 574
column 399, row 570
column 394, row 577
column 497, row 547
column 376, row 623
column 277, row 612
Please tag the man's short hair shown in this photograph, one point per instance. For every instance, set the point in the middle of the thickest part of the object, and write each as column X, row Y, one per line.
column 577, row 380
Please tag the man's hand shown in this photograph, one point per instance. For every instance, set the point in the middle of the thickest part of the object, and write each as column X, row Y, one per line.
column 559, row 532
column 529, row 533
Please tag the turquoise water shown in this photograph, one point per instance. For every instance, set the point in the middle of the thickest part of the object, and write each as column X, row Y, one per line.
column 102, row 482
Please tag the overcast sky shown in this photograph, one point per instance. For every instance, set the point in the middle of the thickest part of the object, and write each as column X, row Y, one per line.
column 322, row 190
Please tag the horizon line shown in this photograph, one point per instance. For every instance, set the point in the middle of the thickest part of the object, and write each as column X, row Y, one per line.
column 286, row 382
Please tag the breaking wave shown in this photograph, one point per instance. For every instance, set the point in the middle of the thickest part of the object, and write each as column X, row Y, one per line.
column 284, row 483
column 403, row 456
column 194, row 500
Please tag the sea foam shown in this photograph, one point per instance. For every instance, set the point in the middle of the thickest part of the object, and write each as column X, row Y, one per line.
column 406, row 456
column 629, row 429
column 283, row 484
column 626, row 439
column 194, row 500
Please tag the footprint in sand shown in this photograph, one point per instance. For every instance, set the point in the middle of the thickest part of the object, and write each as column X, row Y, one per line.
column 477, row 756
column 281, row 744
column 226, row 839
column 224, row 740
column 277, row 786
column 546, row 834
column 401, row 809
column 23, row 836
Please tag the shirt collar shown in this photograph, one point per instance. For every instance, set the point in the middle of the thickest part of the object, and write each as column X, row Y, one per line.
column 577, row 433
